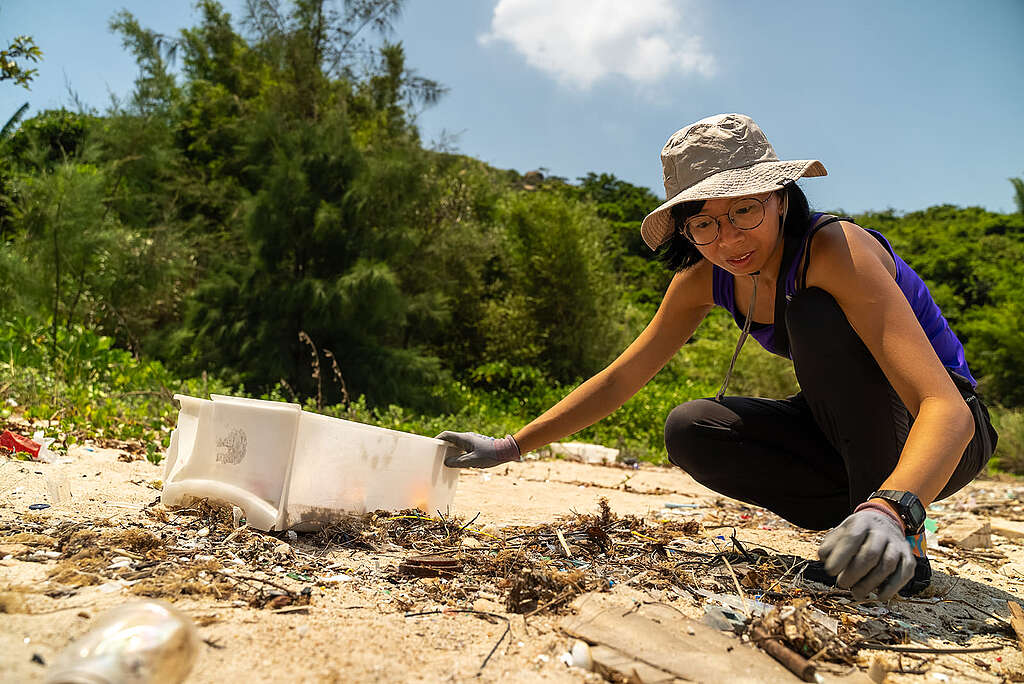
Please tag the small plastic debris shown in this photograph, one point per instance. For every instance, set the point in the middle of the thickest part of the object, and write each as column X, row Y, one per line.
column 205, row 532
column 671, row 504
column 58, row 487
column 723, row 619
column 19, row 444
column 44, row 454
column 336, row 579
column 822, row 620
column 38, row 506
column 237, row 516
column 735, row 603
column 142, row 641
column 292, row 535
column 594, row 454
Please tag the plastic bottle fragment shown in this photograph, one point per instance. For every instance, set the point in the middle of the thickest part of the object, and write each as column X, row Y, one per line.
column 143, row 642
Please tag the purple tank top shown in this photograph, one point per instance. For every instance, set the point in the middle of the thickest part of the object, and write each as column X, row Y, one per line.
column 944, row 341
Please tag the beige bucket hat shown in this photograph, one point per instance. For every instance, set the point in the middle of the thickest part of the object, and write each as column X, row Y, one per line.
column 726, row 155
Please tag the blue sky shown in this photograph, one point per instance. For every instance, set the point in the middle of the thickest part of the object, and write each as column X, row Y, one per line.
column 908, row 104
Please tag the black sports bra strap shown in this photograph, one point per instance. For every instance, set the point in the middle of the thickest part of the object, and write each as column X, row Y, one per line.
column 806, row 261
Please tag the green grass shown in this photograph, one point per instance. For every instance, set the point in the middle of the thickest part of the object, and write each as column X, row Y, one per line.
column 1009, row 454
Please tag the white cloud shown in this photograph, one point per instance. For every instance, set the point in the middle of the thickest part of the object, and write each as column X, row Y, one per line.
column 582, row 41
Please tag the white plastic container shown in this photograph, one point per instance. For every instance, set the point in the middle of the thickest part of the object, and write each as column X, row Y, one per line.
column 291, row 469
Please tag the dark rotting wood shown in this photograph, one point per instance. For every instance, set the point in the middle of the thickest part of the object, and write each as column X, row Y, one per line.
column 431, row 566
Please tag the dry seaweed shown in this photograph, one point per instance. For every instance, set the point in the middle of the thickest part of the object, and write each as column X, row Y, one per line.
column 197, row 551
column 536, row 589
column 793, row 624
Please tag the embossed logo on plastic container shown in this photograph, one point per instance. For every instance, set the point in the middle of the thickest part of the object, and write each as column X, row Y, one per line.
column 231, row 449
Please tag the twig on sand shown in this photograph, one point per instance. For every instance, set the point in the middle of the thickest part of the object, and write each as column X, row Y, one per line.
column 508, row 627
column 924, row 649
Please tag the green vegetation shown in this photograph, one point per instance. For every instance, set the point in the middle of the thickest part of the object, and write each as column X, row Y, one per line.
column 22, row 49
column 259, row 216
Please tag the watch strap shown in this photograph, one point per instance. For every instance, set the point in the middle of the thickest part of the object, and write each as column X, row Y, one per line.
column 904, row 503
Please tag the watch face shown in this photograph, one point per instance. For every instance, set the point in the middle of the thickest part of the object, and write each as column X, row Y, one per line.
column 914, row 511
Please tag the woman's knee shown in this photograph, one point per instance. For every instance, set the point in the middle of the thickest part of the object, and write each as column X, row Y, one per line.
column 686, row 433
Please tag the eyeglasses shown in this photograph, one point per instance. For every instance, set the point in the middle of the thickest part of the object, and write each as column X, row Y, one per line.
column 746, row 214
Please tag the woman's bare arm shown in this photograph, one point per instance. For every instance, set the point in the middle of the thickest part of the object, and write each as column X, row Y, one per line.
column 845, row 262
column 686, row 303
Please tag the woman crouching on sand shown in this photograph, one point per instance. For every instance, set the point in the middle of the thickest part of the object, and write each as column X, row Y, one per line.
column 887, row 419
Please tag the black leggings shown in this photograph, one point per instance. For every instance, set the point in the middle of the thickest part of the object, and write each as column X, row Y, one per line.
column 813, row 457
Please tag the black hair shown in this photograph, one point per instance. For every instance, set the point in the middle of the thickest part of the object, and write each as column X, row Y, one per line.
column 678, row 253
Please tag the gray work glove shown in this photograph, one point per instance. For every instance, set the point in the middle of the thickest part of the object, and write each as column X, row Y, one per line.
column 481, row 451
column 868, row 552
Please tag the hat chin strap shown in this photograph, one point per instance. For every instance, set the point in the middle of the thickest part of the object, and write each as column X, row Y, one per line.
column 743, row 338
column 750, row 309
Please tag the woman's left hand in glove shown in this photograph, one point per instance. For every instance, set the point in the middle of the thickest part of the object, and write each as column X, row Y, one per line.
column 868, row 552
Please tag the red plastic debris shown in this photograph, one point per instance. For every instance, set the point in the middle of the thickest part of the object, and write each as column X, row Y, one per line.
column 16, row 443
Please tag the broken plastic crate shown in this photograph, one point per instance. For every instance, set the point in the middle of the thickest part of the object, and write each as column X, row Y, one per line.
column 291, row 469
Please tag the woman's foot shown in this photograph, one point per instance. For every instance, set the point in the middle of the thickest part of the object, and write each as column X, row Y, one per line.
column 922, row 579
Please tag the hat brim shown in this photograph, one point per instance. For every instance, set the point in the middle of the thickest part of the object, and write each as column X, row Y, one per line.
column 750, row 180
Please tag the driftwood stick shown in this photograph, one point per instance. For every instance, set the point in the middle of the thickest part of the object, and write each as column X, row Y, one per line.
column 794, row 662
column 1017, row 621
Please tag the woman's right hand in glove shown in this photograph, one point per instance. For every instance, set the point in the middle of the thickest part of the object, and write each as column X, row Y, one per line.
column 480, row 451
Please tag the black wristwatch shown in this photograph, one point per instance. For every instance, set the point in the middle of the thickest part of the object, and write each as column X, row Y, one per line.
column 909, row 507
